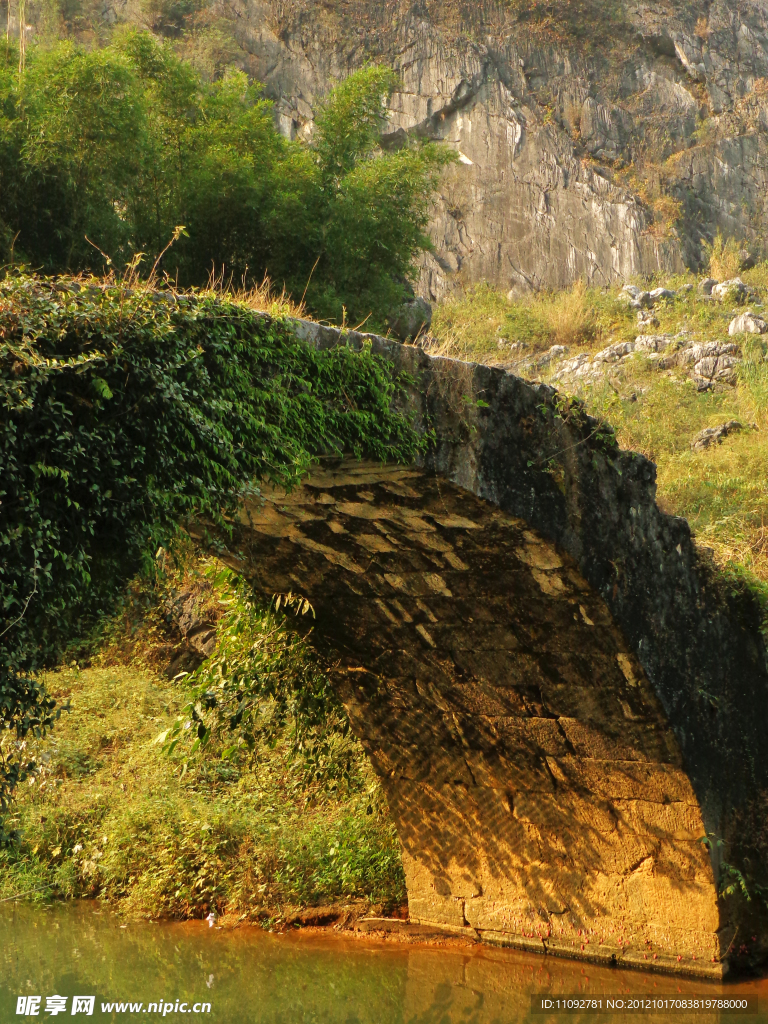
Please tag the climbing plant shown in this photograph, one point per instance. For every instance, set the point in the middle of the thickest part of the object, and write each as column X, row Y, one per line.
column 125, row 412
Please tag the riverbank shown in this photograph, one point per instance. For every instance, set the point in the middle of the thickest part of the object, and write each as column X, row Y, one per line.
column 109, row 815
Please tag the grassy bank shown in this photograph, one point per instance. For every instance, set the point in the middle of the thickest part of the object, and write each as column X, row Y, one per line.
column 111, row 815
column 720, row 490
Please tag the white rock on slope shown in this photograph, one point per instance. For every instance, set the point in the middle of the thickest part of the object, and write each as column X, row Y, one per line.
column 747, row 323
column 732, row 291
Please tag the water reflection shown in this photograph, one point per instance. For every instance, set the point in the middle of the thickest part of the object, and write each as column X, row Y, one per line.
column 249, row 975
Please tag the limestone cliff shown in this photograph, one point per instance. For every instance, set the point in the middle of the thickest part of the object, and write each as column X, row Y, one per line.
column 597, row 139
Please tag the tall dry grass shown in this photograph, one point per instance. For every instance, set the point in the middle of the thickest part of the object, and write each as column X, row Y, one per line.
column 725, row 257
column 481, row 323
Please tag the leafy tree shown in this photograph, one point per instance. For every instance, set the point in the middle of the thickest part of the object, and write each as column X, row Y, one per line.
column 106, row 151
column 373, row 207
column 350, row 123
column 82, row 124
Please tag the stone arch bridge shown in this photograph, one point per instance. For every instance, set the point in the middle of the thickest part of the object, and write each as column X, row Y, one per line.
column 559, row 694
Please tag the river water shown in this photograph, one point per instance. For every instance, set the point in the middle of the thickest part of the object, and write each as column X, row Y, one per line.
column 248, row 975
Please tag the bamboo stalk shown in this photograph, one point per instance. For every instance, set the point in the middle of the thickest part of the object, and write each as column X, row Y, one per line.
column 22, row 35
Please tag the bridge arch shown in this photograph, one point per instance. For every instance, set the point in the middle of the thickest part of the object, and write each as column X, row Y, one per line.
column 559, row 695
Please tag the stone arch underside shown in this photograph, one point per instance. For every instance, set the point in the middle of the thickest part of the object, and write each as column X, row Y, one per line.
column 536, row 786
column 522, row 641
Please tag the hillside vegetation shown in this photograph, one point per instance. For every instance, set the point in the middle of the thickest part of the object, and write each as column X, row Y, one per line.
column 256, row 832
column 656, row 408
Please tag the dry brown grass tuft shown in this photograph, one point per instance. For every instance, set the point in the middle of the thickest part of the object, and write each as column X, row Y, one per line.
column 725, row 257
column 478, row 324
column 263, row 297
column 569, row 315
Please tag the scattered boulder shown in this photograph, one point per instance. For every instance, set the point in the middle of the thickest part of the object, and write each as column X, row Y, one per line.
column 631, row 290
column 539, row 362
column 730, row 291
column 653, row 342
column 645, row 318
column 637, row 298
column 705, row 287
column 555, row 352
column 710, row 363
column 693, row 353
column 714, row 362
column 747, row 323
column 714, row 435
column 613, row 353
column 412, row 318
column 578, row 366
column 717, row 368
column 646, row 300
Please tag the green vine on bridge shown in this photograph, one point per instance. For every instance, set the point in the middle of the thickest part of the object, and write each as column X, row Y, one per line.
column 127, row 411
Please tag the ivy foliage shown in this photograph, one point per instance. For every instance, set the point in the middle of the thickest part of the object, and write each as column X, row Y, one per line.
column 125, row 412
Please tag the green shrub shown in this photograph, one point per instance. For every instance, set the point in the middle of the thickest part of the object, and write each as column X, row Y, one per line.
column 263, row 681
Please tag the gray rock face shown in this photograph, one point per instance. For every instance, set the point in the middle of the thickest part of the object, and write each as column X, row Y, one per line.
column 411, row 319
column 544, row 125
column 714, row 435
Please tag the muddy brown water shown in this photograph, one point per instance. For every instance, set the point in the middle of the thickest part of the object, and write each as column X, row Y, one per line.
column 249, row 975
